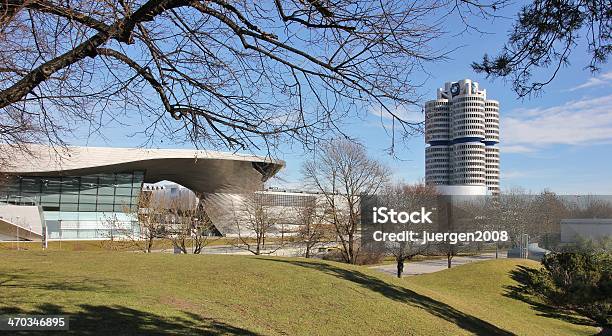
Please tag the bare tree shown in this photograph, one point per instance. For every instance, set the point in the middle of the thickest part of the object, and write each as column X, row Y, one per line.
column 342, row 173
column 492, row 217
column 460, row 213
column 591, row 206
column 402, row 197
column 449, row 251
column 549, row 209
column 151, row 218
column 520, row 213
column 188, row 223
column 255, row 222
column 225, row 73
column 313, row 228
column 516, row 214
column 180, row 220
column 115, row 231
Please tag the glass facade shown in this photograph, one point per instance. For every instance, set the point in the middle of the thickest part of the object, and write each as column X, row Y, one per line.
column 80, row 207
column 291, row 200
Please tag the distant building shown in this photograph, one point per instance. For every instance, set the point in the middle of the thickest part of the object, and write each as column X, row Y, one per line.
column 533, row 251
column 284, row 206
column 573, row 230
column 289, row 197
column 169, row 194
column 462, row 133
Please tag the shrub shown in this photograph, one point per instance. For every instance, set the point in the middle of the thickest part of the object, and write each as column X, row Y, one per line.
column 370, row 254
column 333, row 255
column 579, row 281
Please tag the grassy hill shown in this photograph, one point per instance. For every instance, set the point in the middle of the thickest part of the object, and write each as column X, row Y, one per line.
column 116, row 293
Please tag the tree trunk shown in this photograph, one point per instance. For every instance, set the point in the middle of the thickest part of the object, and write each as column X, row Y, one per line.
column 449, row 258
column 400, row 268
column 198, row 246
column 351, row 255
column 149, row 244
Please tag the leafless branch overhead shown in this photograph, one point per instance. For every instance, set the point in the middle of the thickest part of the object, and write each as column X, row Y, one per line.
column 238, row 74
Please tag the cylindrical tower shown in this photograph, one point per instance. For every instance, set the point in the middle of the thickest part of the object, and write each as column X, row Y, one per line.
column 468, row 132
column 492, row 169
column 437, row 165
column 437, row 136
column 468, row 160
column 462, row 129
column 490, row 141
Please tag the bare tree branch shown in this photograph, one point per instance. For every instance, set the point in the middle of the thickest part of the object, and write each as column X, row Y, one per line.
column 238, row 74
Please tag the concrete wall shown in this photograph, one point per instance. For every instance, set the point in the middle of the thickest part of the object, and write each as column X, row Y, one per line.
column 19, row 219
column 29, row 217
column 588, row 228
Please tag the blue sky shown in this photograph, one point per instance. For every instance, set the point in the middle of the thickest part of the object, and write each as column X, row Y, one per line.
column 560, row 140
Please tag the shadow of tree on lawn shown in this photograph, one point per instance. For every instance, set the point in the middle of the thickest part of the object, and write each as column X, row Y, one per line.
column 437, row 308
column 25, row 279
column 94, row 320
column 103, row 320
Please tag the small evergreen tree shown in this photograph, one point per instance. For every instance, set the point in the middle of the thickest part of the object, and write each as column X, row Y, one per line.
column 579, row 281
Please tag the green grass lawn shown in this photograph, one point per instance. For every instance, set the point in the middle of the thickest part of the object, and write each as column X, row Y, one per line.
column 115, row 293
column 105, row 245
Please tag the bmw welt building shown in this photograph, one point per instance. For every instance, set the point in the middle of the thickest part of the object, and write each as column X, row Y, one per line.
column 71, row 193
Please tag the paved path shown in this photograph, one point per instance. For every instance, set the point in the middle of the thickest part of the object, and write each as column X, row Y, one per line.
column 289, row 250
column 430, row 266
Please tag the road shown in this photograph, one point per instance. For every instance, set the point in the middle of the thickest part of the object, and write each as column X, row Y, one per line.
column 430, row 266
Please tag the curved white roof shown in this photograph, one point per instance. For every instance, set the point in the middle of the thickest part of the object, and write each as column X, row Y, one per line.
column 198, row 170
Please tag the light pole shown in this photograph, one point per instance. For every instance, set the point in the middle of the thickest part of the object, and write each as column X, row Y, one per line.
column 45, row 237
column 59, row 221
column 17, row 225
column 193, row 233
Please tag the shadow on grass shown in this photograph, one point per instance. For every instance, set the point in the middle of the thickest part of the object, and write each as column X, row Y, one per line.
column 102, row 320
column 120, row 320
column 25, row 279
column 524, row 276
column 437, row 308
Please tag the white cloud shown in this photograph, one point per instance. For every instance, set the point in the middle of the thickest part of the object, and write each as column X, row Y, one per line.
column 517, row 149
column 409, row 114
column 603, row 79
column 512, row 174
column 580, row 122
